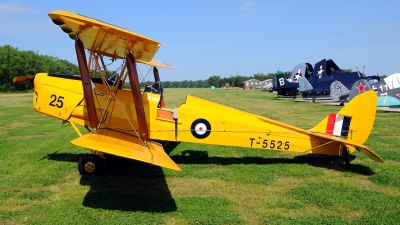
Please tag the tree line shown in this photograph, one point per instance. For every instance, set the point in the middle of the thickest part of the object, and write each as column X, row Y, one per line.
column 216, row 81
column 14, row 62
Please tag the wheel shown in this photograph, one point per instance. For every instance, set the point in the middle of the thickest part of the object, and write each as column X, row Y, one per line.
column 90, row 164
column 341, row 104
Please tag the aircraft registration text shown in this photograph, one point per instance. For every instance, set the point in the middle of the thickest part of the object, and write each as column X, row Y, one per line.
column 270, row 144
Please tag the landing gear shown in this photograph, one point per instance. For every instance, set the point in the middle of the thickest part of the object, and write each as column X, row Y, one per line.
column 346, row 156
column 90, row 164
column 341, row 103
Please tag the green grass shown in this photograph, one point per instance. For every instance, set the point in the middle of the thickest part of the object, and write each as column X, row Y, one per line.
column 40, row 184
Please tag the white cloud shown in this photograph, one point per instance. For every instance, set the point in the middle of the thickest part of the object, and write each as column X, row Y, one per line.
column 247, row 8
column 8, row 7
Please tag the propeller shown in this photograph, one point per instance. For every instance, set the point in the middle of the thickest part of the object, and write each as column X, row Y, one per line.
column 21, row 79
column 361, row 74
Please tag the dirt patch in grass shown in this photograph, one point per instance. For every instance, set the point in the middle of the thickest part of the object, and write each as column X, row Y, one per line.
column 17, row 125
column 25, row 137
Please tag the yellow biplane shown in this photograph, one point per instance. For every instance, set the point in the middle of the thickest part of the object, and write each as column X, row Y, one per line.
column 124, row 122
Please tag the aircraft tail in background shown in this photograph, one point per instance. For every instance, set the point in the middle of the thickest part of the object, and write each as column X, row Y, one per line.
column 301, row 70
column 284, row 87
column 319, row 71
column 339, row 92
column 359, row 87
column 298, row 71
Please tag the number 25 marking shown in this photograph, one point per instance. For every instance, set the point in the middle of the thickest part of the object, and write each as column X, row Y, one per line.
column 59, row 101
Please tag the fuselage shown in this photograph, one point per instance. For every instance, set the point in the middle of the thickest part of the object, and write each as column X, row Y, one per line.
column 198, row 120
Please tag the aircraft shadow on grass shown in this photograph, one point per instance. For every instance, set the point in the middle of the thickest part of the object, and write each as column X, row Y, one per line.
column 323, row 161
column 127, row 185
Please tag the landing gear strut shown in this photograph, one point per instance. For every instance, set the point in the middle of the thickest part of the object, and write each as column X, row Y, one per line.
column 90, row 164
column 346, row 156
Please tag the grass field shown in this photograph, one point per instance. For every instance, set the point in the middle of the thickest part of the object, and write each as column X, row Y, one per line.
column 40, row 184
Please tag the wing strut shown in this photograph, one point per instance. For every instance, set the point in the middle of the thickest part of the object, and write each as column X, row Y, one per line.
column 157, row 79
column 87, row 84
column 137, row 97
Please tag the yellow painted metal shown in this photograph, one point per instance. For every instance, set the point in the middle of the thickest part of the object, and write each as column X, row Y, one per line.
column 156, row 64
column 104, row 38
column 56, row 97
column 128, row 146
column 233, row 127
column 75, row 128
column 229, row 126
column 199, row 120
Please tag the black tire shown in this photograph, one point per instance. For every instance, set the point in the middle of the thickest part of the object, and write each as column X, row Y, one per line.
column 90, row 164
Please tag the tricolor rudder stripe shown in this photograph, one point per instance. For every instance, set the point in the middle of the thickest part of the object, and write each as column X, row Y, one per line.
column 338, row 125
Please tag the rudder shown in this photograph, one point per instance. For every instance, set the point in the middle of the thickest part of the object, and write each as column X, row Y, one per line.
column 360, row 111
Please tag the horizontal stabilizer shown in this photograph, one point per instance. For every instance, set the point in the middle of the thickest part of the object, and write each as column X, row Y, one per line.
column 368, row 152
column 127, row 146
column 304, row 85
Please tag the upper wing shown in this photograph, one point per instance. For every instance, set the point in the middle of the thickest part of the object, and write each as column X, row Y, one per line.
column 105, row 38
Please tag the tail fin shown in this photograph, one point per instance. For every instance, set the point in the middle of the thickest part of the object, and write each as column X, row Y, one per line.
column 331, row 66
column 358, row 87
column 339, row 92
column 280, row 81
column 319, row 70
column 355, row 120
column 298, row 71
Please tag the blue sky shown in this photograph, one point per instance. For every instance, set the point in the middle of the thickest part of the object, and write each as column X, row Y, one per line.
column 226, row 37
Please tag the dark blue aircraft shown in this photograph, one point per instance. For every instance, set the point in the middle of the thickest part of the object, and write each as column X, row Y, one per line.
column 325, row 73
column 290, row 87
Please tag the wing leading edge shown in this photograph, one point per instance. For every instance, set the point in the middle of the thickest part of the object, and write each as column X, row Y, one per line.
column 128, row 146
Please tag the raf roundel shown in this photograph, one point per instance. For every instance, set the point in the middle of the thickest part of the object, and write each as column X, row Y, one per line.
column 200, row 128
